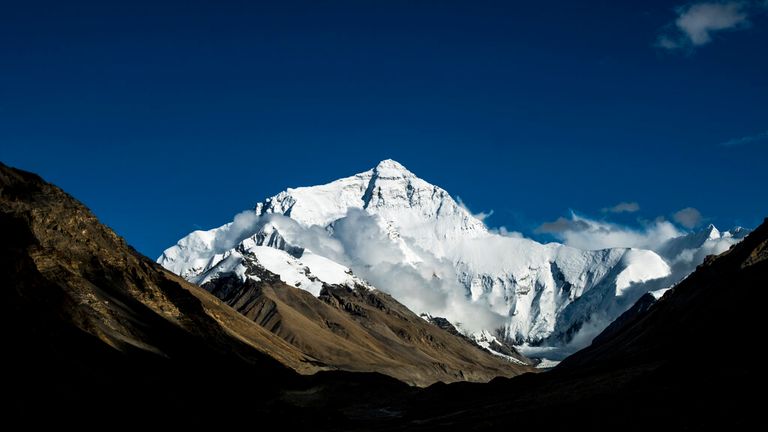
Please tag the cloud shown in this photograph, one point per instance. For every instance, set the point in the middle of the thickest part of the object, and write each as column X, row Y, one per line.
column 688, row 217
column 622, row 207
column 479, row 216
column 504, row 232
column 358, row 241
column 236, row 231
column 430, row 286
column 736, row 142
column 588, row 234
column 696, row 23
column 562, row 225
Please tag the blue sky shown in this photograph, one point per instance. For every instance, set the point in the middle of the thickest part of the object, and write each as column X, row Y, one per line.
column 165, row 117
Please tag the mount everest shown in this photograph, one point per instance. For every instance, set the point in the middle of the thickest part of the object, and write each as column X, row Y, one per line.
column 387, row 229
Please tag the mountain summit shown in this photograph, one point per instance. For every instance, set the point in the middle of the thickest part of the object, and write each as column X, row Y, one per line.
column 387, row 229
column 403, row 201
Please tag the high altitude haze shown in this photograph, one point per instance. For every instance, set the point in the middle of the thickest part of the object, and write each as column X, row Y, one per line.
column 165, row 117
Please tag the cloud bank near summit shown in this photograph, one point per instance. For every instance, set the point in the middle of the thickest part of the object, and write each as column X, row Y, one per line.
column 590, row 234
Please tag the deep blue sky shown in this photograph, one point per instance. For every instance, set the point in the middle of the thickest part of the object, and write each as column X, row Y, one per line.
column 165, row 117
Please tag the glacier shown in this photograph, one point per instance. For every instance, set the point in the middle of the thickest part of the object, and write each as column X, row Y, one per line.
column 387, row 229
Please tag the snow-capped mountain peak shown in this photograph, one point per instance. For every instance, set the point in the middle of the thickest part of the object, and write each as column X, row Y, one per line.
column 708, row 240
column 712, row 232
column 389, row 229
column 405, row 204
column 737, row 232
column 391, row 169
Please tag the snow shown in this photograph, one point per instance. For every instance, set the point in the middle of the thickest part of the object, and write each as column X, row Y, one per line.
column 640, row 266
column 309, row 272
column 547, row 364
column 287, row 267
column 184, row 258
column 485, row 339
column 406, row 205
column 327, row 270
column 414, row 241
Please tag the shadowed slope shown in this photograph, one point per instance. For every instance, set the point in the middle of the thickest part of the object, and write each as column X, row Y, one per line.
column 91, row 328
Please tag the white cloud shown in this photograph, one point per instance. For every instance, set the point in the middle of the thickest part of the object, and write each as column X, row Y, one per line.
column 688, row 217
column 480, row 216
column 428, row 286
column 240, row 228
column 358, row 242
column 504, row 232
column 562, row 225
column 588, row 234
column 622, row 207
column 696, row 23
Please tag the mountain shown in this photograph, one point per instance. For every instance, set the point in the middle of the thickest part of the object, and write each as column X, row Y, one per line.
column 94, row 333
column 680, row 363
column 387, row 229
column 89, row 325
column 688, row 251
column 61, row 263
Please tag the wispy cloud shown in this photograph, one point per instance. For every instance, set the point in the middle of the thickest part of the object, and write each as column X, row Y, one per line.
column 736, row 142
column 562, row 225
column 688, row 217
column 622, row 207
column 481, row 215
column 696, row 23
column 584, row 233
column 504, row 232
